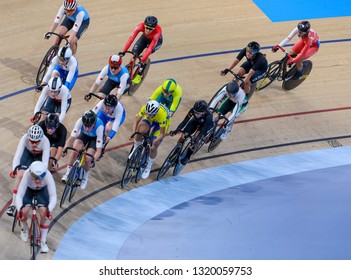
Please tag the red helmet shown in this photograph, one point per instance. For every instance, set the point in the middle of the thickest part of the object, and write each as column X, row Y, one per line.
column 115, row 60
column 70, row 4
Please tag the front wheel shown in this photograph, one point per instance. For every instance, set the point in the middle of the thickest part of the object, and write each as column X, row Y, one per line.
column 272, row 74
column 131, row 167
column 70, row 183
column 170, row 161
column 51, row 53
column 216, row 139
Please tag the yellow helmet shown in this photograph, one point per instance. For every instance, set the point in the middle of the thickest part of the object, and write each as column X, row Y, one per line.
column 169, row 86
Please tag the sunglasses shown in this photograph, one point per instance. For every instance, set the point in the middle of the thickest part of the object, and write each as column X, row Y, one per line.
column 34, row 142
column 35, row 177
column 69, row 11
column 51, row 127
column 199, row 113
column 114, row 68
column 168, row 92
column 149, row 28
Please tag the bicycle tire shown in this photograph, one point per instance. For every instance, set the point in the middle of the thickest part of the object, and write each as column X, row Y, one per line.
column 14, row 223
column 69, row 184
column 72, row 192
column 290, row 84
column 216, row 94
column 134, row 87
column 130, row 167
column 179, row 166
column 142, row 164
column 169, row 161
column 50, row 54
column 34, row 240
column 216, row 140
column 273, row 72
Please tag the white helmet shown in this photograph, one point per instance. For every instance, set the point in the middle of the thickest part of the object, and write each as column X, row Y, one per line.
column 70, row 4
column 37, row 170
column 152, row 107
column 35, row 133
column 55, row 84
column 64, row 53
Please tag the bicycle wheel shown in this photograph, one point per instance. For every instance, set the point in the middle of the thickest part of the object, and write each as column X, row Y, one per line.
column 215, row 95
column 134, row 87
column 14, row 223
column 70, row 182
column 179, row 166
column 216, row 139
column 291, row 83
column 142, row 163
column 51, row 53
column 35, row 239
column 72, row 192
column 131, row 167
column 169, row 161
column 272, row 74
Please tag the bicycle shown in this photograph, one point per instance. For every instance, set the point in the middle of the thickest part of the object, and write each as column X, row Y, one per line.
column 220, row 127
column 133, row 67
column 137, row 159
column 50, row 54
column 278, row 70
column 75, row 175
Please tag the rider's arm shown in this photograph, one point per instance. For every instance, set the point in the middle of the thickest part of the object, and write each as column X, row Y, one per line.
column 74, row 133
column 290, row 36
column 48, row 74
column 205, row 128
column 123, row 84
column 155, row 38
column 98, row 107
column 307, row 41
column 50, row 183
column 136, row 122
column 185, row 121
column 161, row 135
column 99, row 141
column 72, row 66
column 118, row 114
column 19, row 152
column 46, row 150
column 64, row 102
column 22, row 187
column 138, row 28
column 58, row 18
column 60, row 143
column 76, row 25
column 99, row 79
column 177, row 97
column 41, row 100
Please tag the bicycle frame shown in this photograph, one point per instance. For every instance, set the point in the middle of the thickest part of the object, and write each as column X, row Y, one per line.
column 34, row 230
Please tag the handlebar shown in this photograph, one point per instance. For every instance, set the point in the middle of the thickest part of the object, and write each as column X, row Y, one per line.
column 90, row 94
column 80, row 152
column 61, row 37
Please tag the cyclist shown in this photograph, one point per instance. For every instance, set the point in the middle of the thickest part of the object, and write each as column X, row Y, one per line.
column 87, row 132
column 151, row 40
column 307, row 46
column 55, row 98
column 37, row 181
column 152, row 116
column 56, row 132
column 234, row 104
column 169, row 94
column 254, row 68
column 73, row 16
column 33, row 146
column 112, row 114
column 198, row 121
column 63, row 65
column 118, row 78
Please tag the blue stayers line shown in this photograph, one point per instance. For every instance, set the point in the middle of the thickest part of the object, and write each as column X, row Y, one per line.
column 169, row 60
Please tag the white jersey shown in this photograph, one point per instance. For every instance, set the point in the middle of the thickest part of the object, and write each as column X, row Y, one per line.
column 28, row 182
column 62, row 97
column 240, row 100
column 115, row 117
column 71, row 67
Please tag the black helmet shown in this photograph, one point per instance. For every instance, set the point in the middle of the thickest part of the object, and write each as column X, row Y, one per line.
column 253, row 47
column 89, row 118
column 111, row 100
column 200, row 106
column 304, row 26
column 232, row 88
column 151, row 21
column 52, row 121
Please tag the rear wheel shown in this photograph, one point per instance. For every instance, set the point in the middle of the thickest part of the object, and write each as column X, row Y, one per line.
column 51, row 53
column 272, row 74
column 131, row 167
column 170, row 161
column 134, row 87
column 142, row 163
column 291, row 83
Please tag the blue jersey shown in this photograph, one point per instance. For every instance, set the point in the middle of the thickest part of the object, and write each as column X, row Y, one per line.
column 117, row 78
column 92, row 133
column 79, row 9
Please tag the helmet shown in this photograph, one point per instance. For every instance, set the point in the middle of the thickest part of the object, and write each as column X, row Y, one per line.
column 55, row 84
column 89, row 118
column 151, row 21
column 304, row 26
column 200, row 106
column 70, row 4
column 35, row 133
column 37, row 170
column 64, row 53
column 232, row 88
column 169, row 86
column 115, row 61
column 253, row 47
column 152, row 107
column 52, row 121
column 111, row 100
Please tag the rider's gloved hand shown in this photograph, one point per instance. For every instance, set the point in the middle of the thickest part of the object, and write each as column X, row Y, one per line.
column 224, row 72
column 13, row 174
column 121, row 54
column 275, row 48
column 47, row 36
column 173, row 132
column 49, row 215
column 19, row 215
column 39, row 88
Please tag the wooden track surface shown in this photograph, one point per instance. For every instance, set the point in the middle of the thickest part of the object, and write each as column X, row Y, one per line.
column 276, row 122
